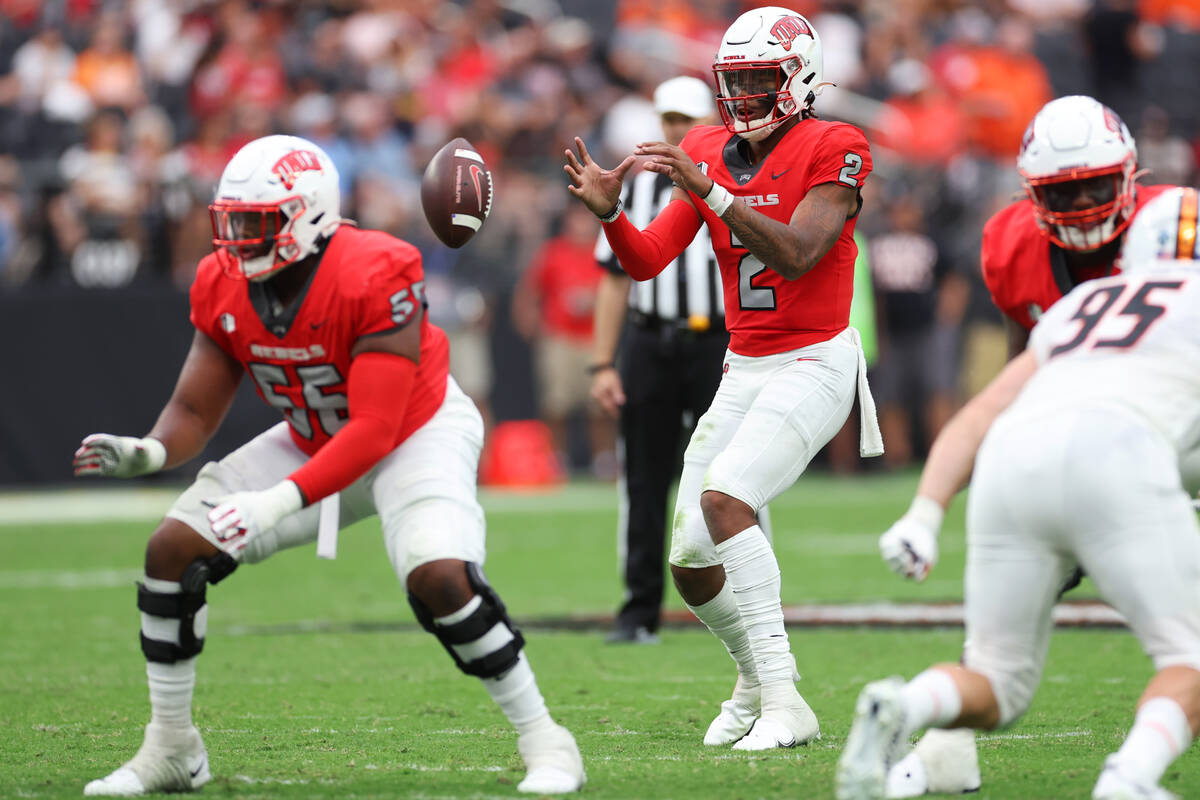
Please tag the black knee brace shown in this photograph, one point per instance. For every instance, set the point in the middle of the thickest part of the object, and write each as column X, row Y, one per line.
column 482, row 620
column 183, row 606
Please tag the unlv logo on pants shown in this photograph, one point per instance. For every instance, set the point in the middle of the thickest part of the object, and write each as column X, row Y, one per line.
column 786, row 29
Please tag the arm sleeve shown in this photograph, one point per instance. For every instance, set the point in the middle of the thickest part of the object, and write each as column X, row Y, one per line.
column 644, row 254
column 379, row 387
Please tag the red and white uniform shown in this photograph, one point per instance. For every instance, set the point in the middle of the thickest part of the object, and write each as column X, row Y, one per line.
column 1021, row 276
column 367, row 283
column 793, row 364
column 765, row 312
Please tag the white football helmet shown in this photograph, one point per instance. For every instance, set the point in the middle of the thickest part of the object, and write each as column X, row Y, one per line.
column 277, row 198
column 768, row 70
column 1163, row 233
column 1077, row 163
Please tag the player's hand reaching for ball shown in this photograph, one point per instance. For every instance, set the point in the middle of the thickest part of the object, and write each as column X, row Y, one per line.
column 910, row 546
column 598, row 188
column 672, row 161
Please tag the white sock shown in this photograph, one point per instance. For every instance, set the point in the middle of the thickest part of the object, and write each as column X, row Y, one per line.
column 930, row 700
column 517, row 694
column 516, row 691
column 1160, row 733
column 721, row 616
column 753, row 573
column 171, row 685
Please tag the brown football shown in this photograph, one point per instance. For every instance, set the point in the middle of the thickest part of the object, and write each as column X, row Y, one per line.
column 456, row 192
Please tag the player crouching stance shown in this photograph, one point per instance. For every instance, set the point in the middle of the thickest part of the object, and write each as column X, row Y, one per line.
column 329, row 322
column 1081, row 468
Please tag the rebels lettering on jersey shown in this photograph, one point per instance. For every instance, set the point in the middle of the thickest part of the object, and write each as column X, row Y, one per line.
column 766, row 313
column 1017, row 267
column 367, row 283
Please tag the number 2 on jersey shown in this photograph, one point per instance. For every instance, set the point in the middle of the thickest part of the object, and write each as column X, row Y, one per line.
column 1096, row 306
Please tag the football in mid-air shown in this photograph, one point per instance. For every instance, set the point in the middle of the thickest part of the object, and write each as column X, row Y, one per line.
column 456, row 192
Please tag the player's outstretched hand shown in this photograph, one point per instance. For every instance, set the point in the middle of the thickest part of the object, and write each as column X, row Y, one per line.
column 239, row 518
column 675, row 163
column 598, row 188
column 910, row 546
column 106, row 456
column 607, row 391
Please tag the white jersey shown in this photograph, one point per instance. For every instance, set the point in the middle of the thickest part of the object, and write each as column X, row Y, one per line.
column 1130, row 341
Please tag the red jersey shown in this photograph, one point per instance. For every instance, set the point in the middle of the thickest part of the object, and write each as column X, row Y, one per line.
column 1023, row 273
column 567, row 280
column 765, row 312
column 367, row 283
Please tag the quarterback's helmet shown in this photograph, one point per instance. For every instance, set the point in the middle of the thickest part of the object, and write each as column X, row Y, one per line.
column 768, row 70
column 277, row 198
column 1163, row 233
column 1077, row 163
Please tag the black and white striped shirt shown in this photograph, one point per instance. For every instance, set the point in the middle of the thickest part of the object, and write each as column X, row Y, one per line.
column 688, row 290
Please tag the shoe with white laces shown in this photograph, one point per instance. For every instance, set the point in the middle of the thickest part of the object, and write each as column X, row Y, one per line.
column 737, row 714
column 876, row 737
column 552, row 761
column 786, row 721
column 169, row 760
column 943, row 762
column 1116, row 785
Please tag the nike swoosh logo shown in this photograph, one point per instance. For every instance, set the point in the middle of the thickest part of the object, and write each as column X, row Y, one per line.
column 777, row 175
column 195, row 772
column 315, row 325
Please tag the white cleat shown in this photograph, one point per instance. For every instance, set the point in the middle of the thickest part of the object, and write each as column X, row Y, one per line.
column 737, row 715
column 1115, row 785
column 552, row 761
column 168, row 761
column 874, row 741
column 907, row 778
column 785, row 722
column 943, row 762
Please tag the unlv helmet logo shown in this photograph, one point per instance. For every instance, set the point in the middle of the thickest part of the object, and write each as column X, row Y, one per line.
column 786, row 29
column 1113, row 122
column 292, row 164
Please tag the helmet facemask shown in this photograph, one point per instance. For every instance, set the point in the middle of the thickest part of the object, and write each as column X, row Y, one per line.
column 255, row 237
column 755, row 98
column 1083, row 209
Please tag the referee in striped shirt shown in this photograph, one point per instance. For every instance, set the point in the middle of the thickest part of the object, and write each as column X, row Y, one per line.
column 672, row 337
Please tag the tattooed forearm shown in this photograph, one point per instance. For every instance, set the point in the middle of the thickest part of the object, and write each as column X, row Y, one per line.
column 790, row 250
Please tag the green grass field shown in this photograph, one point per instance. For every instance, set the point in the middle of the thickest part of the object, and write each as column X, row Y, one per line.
column 315, row 681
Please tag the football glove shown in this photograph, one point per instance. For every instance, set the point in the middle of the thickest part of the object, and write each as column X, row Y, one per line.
column 107, row 456
column 910, row 546
column 238, row 518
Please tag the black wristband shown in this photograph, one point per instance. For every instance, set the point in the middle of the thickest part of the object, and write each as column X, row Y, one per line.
column 611, row 216
column 592, row 369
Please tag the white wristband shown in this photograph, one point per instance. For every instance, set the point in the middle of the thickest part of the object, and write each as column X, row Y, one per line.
column 283, row 498
column 928, row 512
column 718, row 199
column 155, row 452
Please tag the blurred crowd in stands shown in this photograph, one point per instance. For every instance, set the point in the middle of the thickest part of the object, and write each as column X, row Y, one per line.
column 117, row 116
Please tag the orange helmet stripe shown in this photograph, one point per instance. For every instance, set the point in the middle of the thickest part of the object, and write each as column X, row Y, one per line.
column 1185, row 245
